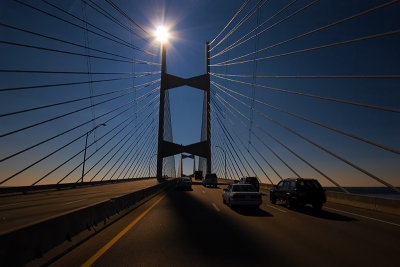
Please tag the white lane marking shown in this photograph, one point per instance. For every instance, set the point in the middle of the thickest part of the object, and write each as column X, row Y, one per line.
column 74, row 201
column 276, row 208
column 362, row 216
column 216, row 207
column 13, row 204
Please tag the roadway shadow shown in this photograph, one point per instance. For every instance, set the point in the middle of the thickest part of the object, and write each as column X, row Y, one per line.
column 183, row 189
column 210, row 187
column 252, row 211
column 323, row 213
column 209, row 237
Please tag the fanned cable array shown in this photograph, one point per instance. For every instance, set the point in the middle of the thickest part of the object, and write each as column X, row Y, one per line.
column 308, row 89
column 79, row 94
column 168, row 162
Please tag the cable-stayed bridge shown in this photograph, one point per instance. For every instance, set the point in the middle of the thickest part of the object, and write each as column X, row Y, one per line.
column 285, row 89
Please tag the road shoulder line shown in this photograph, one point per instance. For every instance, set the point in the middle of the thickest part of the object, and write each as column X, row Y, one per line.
column 107, row 246
column 215, row 206
column 362, row 216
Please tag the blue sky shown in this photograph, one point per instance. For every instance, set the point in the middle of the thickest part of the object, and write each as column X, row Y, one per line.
column 192, row 23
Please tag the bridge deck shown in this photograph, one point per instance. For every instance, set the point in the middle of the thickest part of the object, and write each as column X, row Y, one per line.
column 196, row 228
column 18, row 211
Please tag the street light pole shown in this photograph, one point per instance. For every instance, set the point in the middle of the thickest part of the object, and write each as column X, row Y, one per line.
column 84, row 154
column 225, row 157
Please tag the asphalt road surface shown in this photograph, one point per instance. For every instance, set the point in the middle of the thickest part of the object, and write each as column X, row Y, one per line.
column 194, row 228
column 17, row 211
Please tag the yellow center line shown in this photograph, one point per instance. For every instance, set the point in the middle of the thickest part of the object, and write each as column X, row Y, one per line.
column 107, row 246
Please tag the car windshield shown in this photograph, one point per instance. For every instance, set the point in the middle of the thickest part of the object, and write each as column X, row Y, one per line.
column 243, row 188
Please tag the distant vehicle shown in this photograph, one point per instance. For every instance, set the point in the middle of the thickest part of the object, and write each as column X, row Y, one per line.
column 184, row 183
column 298, row 192
column 210, row 180
column 251, row 180
column 198, row 175
column 241, row 195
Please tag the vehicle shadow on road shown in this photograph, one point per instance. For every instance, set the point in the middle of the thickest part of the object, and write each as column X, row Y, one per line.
column 323, row 214
column 212, row 188
column 248, row 211
column 209, row 237
column 184, row 189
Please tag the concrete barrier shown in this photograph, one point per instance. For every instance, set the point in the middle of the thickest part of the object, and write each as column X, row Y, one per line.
column 367, row 202
column 23, row 245
column 45, row 187
column 225, row 181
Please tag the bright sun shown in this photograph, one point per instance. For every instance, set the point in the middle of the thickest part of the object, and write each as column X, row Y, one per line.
column 162, row 34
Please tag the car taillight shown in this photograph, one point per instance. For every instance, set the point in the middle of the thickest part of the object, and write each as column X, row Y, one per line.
column 256, row 196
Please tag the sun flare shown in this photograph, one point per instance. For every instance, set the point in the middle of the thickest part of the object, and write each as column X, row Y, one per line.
column 162, row 34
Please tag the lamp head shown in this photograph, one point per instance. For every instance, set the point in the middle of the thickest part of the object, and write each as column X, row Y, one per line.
column 162, row 34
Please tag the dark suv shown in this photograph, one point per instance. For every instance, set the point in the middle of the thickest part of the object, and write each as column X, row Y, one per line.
column 210, row 180
column 298, row 192
column 251, row 180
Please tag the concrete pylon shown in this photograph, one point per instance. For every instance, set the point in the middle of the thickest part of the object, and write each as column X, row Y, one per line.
column 194, row 164
column 168, row 81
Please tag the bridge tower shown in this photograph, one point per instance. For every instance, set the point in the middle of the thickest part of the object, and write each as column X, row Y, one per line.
column 184, row 156
column 168, row 81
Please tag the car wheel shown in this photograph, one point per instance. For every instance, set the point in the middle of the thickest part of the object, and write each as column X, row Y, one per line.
column 317, row 206
column 272, row 199
column 289, row 203
column 223, row 200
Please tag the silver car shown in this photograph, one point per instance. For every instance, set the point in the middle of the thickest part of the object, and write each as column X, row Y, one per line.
column 241, row 195
column 184, row 183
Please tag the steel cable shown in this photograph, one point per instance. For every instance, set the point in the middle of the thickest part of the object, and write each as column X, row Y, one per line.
column 317, row 29
column 76, row 54
column 267, row 146
column 315, row 96
column 243, row 20
column 288, row 149
column 315, row 122
column 233, row 45
column 76, row 127
column 79, row 152
column 369, row 37
column 92, row 154
column 120, row 140
column 62, row 116
column 72, row 101
column 78, row 26
column 330, row 152
column 226, row 26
